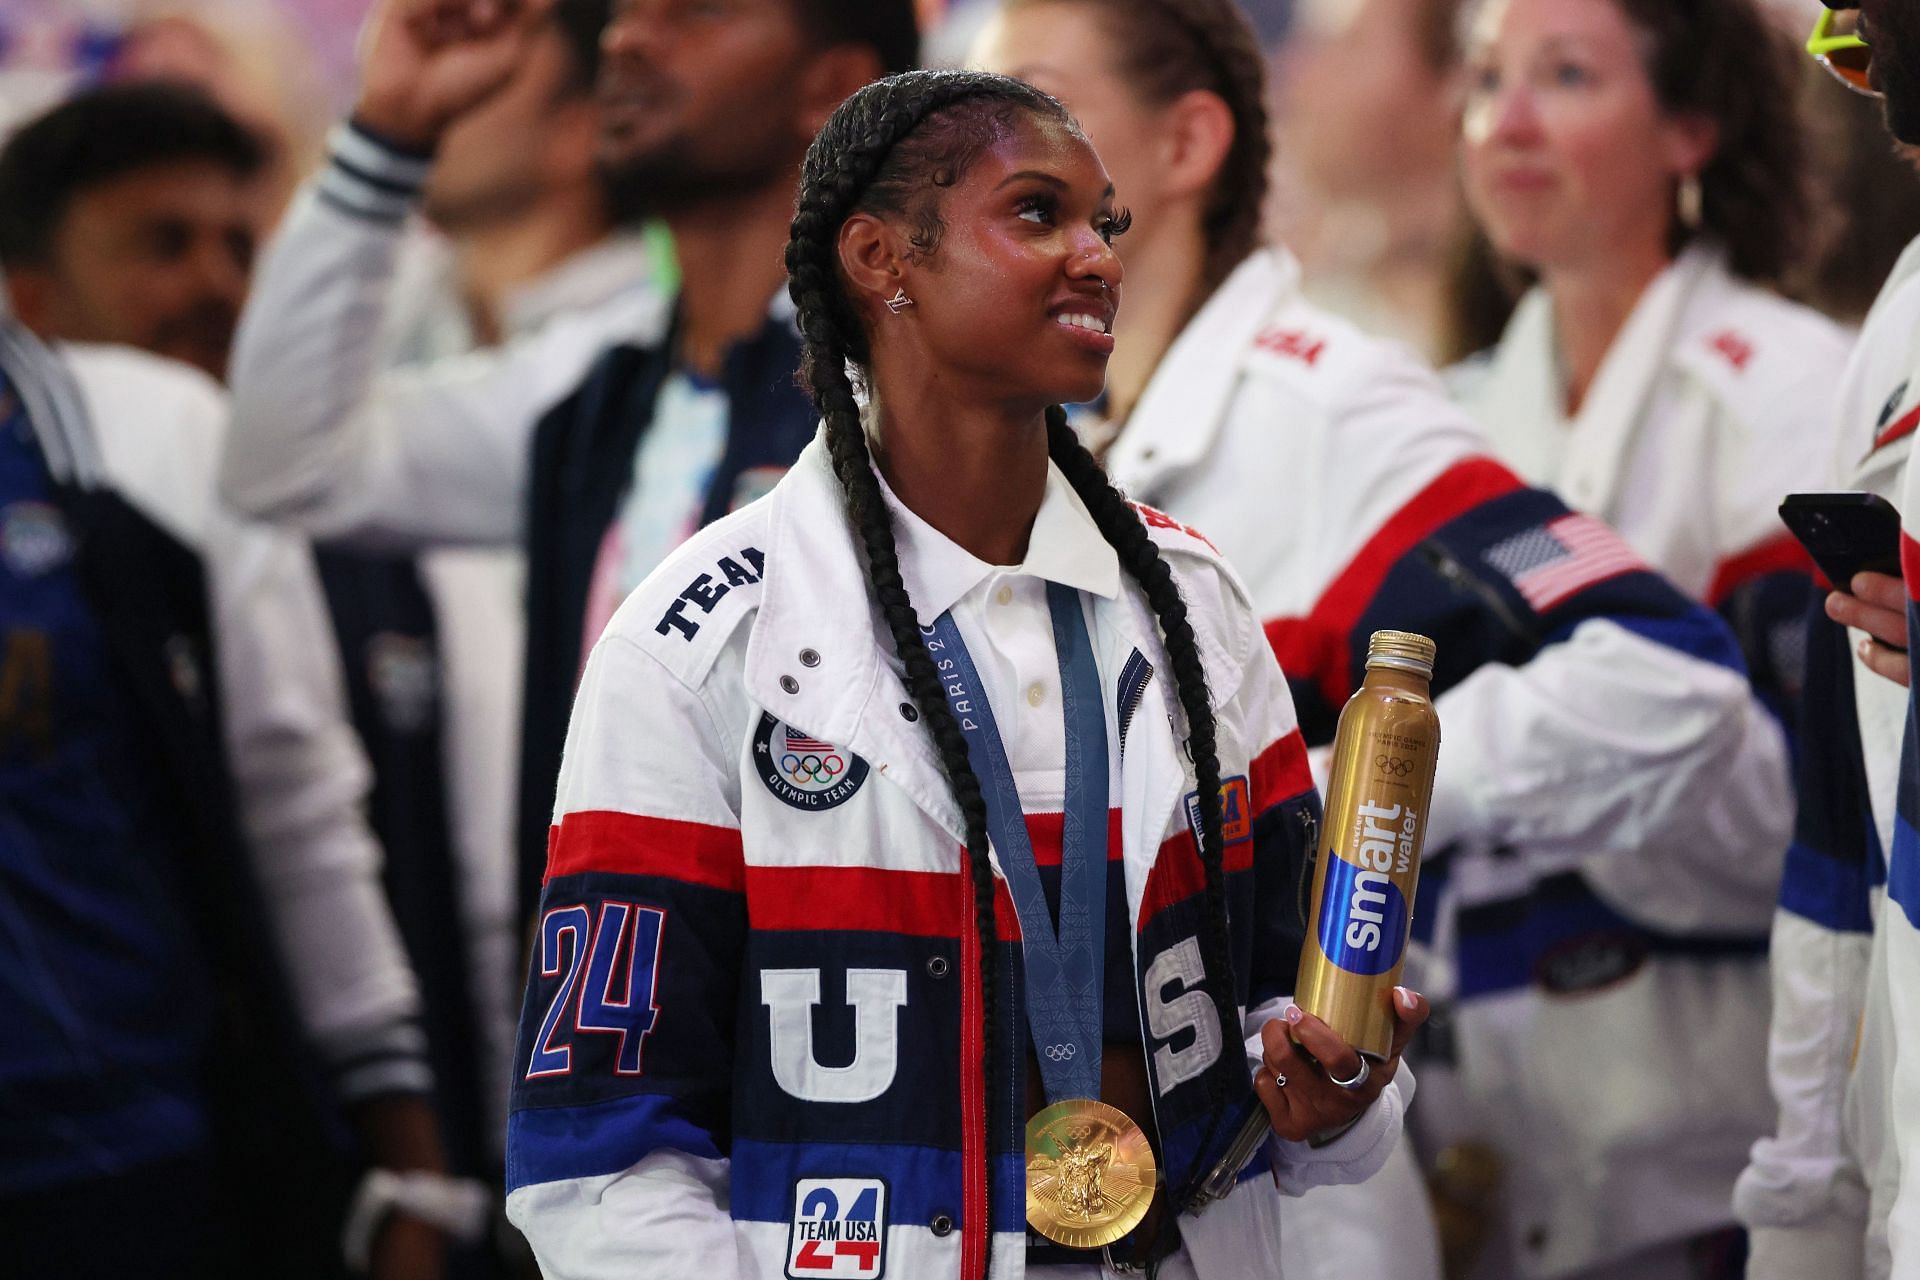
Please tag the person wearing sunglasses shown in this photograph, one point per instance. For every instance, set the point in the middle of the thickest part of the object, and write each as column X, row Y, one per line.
column 1833, row 1194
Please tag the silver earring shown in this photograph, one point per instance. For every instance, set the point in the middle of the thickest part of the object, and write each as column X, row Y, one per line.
column 899, row 302
column 1692, row 202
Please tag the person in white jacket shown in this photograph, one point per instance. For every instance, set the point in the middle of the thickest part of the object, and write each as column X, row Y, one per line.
column 128, row 443
column 1607, row 771
column 596, row 445
column 1816, row 1193
column 1833, row 1194
column 1642, row 160
column 789, row 789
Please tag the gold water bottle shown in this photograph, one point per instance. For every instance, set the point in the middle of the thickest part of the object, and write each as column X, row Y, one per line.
column 1376, row 820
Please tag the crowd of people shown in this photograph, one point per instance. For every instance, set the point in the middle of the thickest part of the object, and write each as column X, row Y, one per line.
column 706, row 624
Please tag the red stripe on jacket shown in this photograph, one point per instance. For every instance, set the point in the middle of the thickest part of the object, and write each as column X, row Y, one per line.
column 637, row 845
column 1319, row 646
column 1781, row 554
column 1280, row 774
column 1900, row 427
column 1910, row 563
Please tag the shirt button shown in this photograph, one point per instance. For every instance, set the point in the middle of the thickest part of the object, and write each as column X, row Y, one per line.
column 1004, row 595
column 1036, row 694
column 942, row 1224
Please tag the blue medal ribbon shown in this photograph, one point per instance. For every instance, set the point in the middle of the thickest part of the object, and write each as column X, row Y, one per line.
column 1064, row 967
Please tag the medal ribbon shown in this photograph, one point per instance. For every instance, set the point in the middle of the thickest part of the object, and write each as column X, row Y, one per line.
column 1064, row 969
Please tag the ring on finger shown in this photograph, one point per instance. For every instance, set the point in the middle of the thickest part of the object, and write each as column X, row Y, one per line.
column 1279, row 1081
column 1358, row 1079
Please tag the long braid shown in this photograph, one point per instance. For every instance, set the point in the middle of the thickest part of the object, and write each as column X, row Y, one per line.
column 1122, row 527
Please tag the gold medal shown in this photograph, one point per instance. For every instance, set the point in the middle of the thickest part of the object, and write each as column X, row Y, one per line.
column 1090, row 1173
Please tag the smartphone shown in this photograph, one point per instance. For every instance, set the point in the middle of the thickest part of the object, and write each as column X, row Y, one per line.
column 1845, row 533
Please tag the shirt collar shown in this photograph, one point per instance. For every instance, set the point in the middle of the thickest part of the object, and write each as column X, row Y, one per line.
column 1066, row 547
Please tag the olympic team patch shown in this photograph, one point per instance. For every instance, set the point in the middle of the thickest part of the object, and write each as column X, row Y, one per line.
column 839, row 1229
column 803, row 771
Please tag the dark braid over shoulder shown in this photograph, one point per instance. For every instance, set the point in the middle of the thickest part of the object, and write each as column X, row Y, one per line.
column 1122, row 527
column 890, row 149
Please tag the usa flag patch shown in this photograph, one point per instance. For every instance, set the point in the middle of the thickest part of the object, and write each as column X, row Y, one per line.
column 1561, row 558
column 839, row 1229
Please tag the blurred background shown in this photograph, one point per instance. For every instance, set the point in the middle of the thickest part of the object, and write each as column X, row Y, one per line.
column 1364, row 104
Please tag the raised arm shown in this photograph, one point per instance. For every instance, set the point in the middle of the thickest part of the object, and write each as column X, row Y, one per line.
column 323, row 438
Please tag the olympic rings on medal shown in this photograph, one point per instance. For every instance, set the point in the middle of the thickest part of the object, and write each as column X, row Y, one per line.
column 1062, row 1052
column 816, row 769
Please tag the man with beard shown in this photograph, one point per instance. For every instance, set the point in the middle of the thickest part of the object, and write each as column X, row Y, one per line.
column 1827, row 1194
column 127, row 215
column 603, row 441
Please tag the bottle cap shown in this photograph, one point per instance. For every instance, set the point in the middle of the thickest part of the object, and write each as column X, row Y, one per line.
column 1401, row 651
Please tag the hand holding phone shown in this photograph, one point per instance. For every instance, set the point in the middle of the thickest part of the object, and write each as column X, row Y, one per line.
column 1849, row 534
column 1845, row 533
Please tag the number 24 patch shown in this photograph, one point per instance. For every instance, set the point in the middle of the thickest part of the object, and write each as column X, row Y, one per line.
column 839, row 1229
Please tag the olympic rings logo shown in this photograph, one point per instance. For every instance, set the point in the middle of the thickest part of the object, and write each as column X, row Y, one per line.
column 1393, row 765
column 819, row 770
column 1062, row 1052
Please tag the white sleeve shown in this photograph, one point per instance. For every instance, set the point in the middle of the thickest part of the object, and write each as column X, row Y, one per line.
column 325, row 440
column 1803, row 1198
column 301, row 783
column 1591, row 738
column 1659, row 775
column 593, row 1228
column 631, row 1178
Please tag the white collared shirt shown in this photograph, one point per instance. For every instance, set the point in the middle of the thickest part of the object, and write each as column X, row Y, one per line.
column 1003, row 616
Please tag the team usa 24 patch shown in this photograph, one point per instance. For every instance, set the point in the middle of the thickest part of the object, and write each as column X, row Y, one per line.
column 839, row 1229
column 803, row 771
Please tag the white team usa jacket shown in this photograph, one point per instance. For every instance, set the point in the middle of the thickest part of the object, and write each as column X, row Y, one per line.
column 1612, row 800
column 1894, row 980
column 1817, row 1195
column 751, row 1040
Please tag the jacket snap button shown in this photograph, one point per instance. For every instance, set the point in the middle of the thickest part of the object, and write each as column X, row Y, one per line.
column 909, row 712
column 789, row 684
column 937, row 967
column 809, row 657
column 942, row 1224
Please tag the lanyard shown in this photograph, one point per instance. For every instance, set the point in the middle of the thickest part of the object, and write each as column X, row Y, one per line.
column 1063, row 969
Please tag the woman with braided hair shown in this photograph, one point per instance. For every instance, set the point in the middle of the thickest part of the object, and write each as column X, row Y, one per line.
column 1612, row 803
column 941, row 797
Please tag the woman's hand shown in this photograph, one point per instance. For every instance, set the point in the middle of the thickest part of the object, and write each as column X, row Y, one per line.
column 1301, row 1097
column 1878, row 606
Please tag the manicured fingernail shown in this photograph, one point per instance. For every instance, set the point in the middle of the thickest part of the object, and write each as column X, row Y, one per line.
column 1405, row 997
column 1293, row 1013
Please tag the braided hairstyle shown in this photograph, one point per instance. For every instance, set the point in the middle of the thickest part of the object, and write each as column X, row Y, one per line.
column 888, row 151
column 1171, row 47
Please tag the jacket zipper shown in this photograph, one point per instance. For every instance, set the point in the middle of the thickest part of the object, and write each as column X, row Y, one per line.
column 975, row 1236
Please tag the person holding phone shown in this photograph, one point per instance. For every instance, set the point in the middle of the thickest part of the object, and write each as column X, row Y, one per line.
column 1820, row 1192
